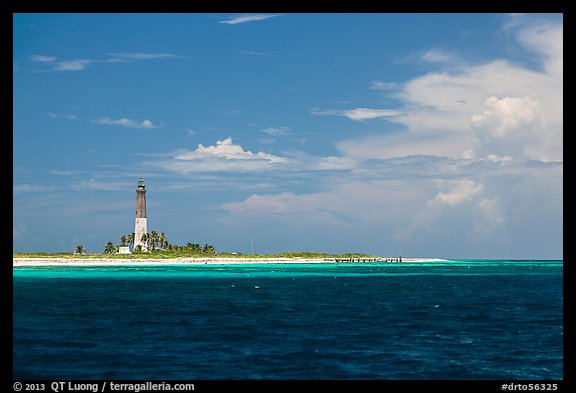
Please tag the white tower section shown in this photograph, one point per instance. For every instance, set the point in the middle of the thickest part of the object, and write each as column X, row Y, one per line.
column 141, row 225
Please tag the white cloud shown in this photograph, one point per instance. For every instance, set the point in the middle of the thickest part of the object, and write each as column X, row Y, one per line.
column 268, row 204
column 507, row 116
column 464, row 190
column 334, row 163
column 492, row 124
column 452, row 113
column 437, row 56
column 82, row 64
column 96, row 185
column 228, row 150
column 247, row 18
column 359, row 114
column 542, row 36
column 277, row 131
column 56, row 116
column 225, row 156
column 402, row 144
column 344, row 204
column 61, row 172
column 129, row 123
column 72, row 65
column 513, row 126
column 144, row 56
column 377, row 85
column 497, row 159
column 42, row 58
column 31, row 188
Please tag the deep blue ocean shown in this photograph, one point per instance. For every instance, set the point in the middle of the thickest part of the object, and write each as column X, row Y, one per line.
column 456, row 320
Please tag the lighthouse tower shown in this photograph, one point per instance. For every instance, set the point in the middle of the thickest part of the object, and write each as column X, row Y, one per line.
column 140, row 227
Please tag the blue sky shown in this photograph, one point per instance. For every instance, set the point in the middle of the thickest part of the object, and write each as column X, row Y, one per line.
column 432, row 135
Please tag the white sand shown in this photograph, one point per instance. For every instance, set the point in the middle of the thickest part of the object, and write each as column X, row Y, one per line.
column 178, row 261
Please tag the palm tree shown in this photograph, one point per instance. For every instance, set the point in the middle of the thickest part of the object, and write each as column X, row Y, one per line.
column 80, row 250
column 153, row 240
column 163, row 241
column 109, row 249
column 145, row 239
column 208, row 249
column 122, row 241
column 130, row 239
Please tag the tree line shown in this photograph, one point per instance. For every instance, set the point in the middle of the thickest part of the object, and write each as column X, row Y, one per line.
column 156, row 242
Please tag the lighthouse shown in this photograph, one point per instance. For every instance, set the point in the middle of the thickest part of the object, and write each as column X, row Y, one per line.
column 140, row 227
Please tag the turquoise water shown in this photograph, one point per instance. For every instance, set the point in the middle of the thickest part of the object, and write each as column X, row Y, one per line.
column 460, row 319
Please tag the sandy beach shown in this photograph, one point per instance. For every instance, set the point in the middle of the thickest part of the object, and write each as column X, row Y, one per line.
column 180, row 261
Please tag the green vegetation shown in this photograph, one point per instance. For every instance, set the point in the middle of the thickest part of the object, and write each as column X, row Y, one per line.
column 184, row 252
column 155, row 242
column 110, row 248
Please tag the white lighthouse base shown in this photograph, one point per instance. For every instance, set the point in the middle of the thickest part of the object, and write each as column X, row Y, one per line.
column 139, row 230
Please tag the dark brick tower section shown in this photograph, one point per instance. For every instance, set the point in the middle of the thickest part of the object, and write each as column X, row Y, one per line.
column 141, row 199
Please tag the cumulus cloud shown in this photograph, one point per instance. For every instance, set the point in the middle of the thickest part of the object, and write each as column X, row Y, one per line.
column 225, row 156
column 463, row 212
column 464, row 190
column 228, row 150
column 479, row 150
column 473, row 110
column 247, row 18
column 511, row 126
column 470, row 135
column 129, row 123
column 508, row 116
